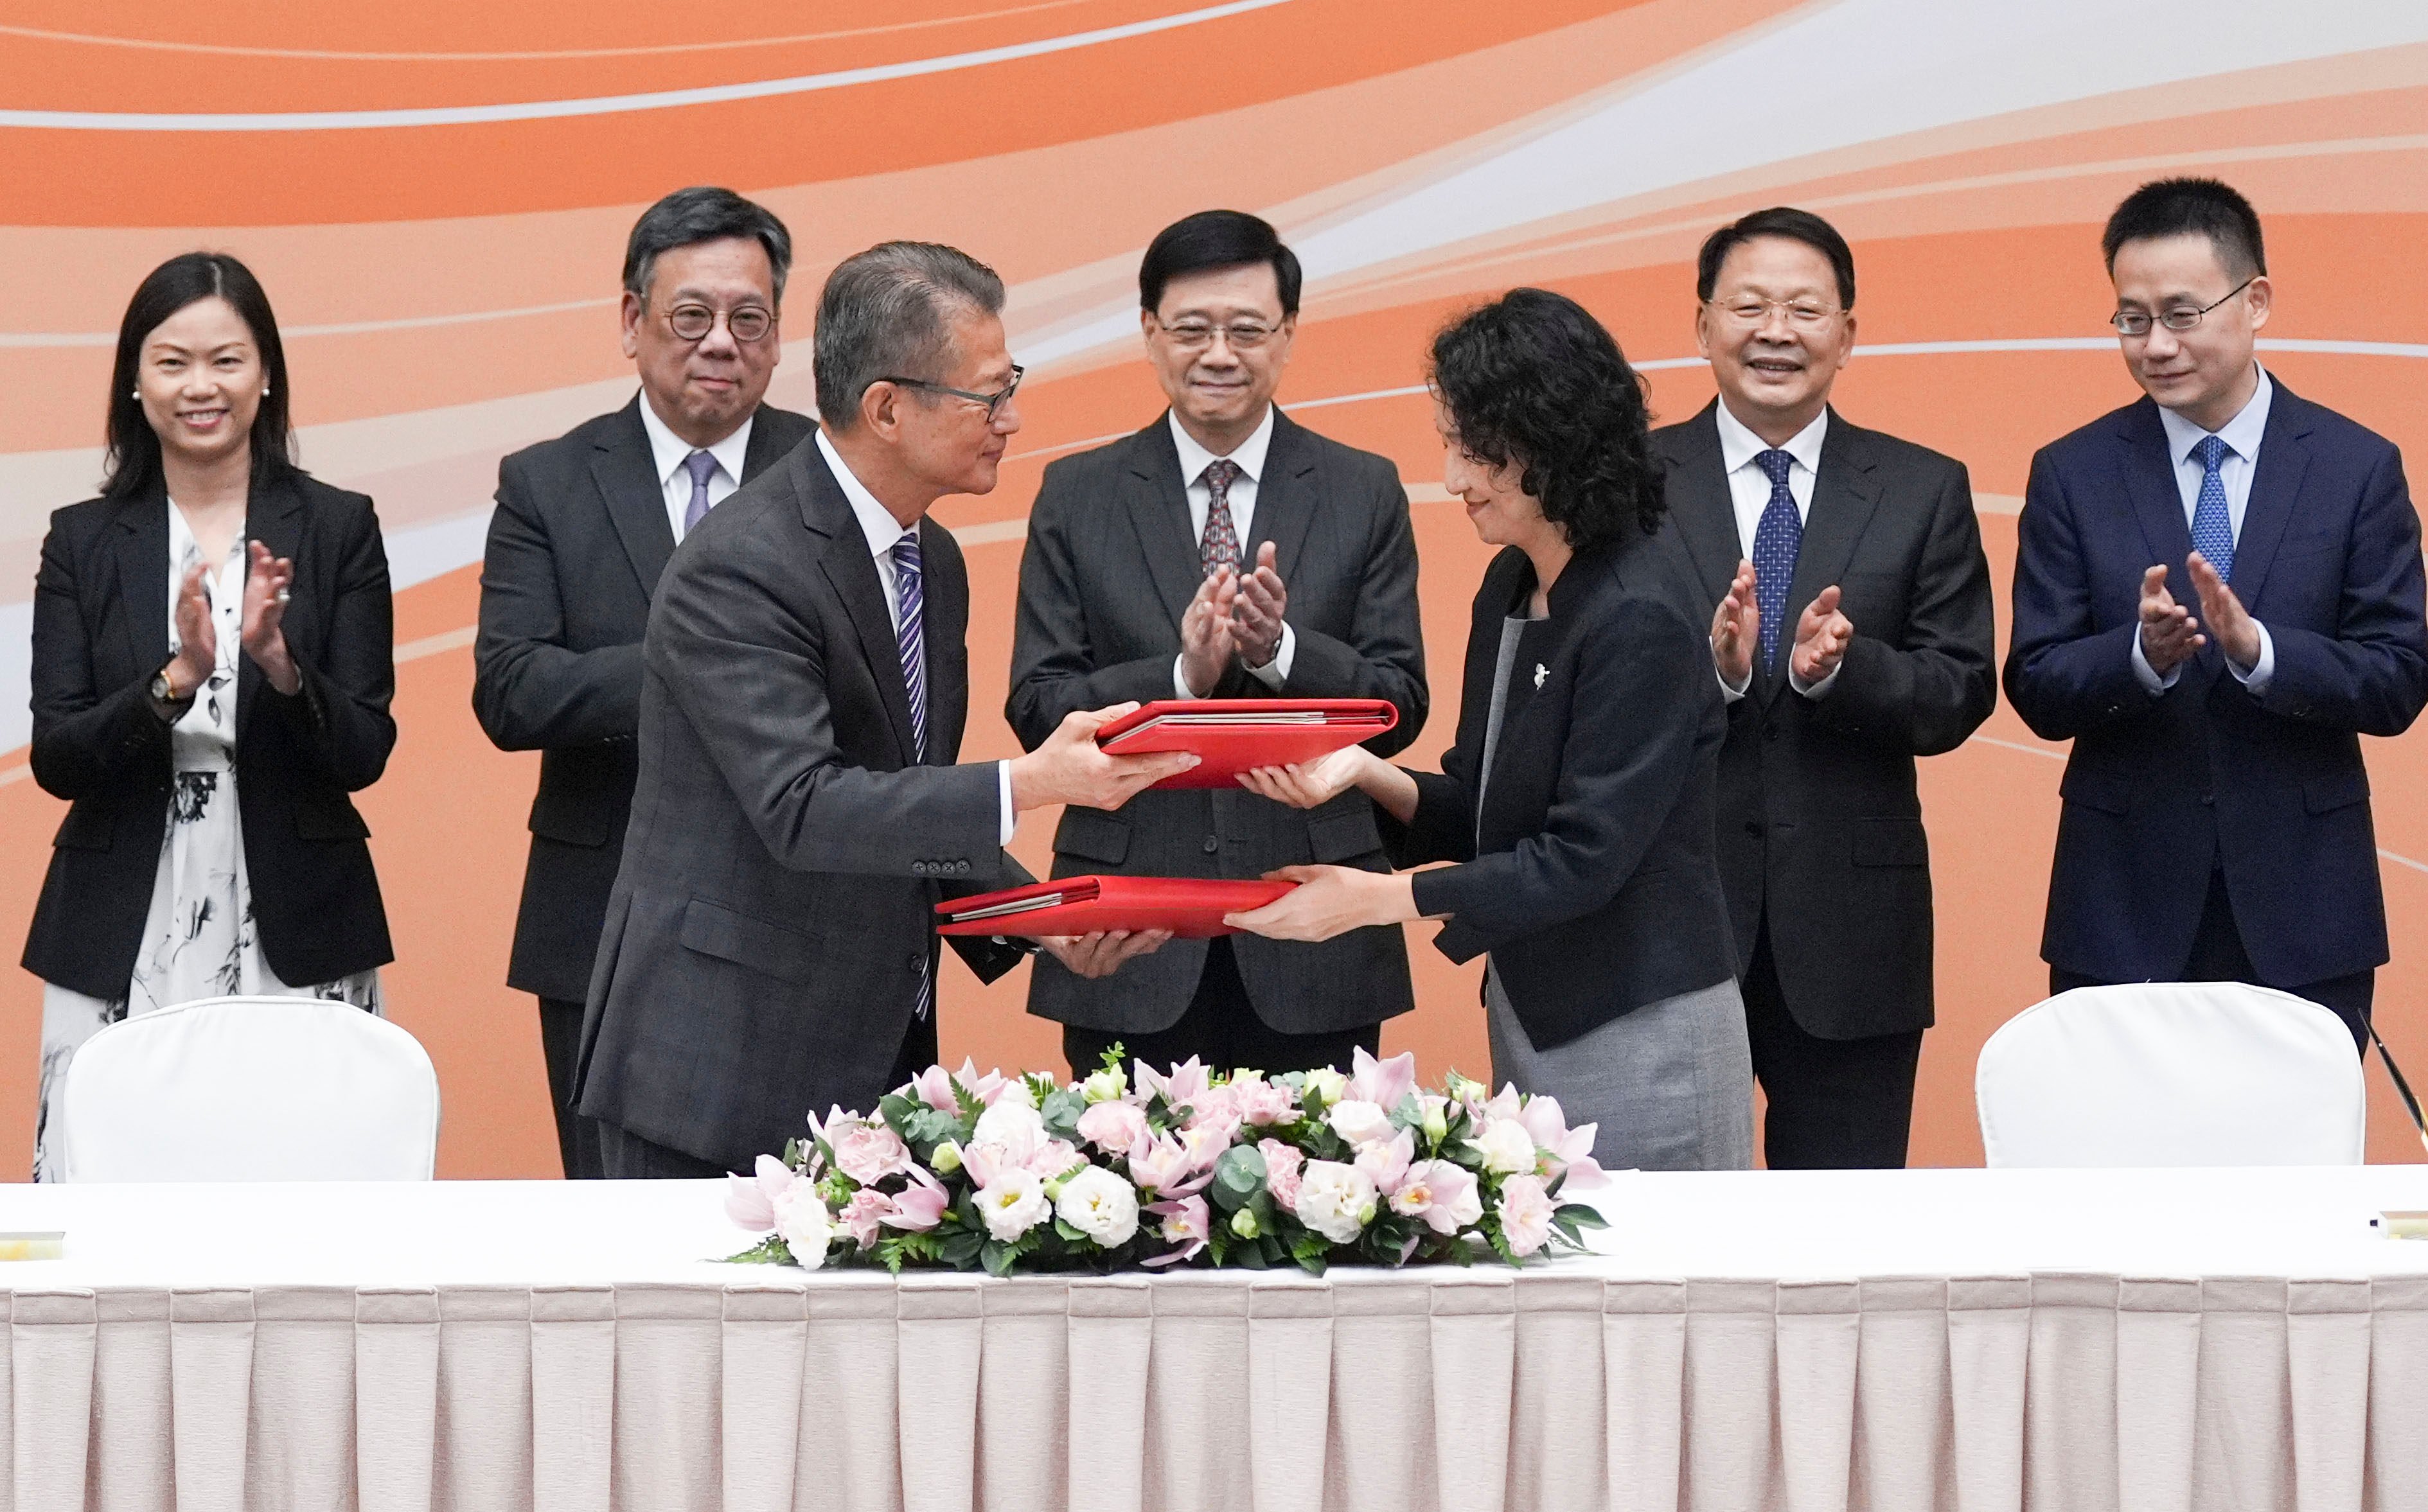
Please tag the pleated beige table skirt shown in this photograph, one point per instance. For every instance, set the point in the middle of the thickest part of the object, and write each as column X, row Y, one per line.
column 620, row 1372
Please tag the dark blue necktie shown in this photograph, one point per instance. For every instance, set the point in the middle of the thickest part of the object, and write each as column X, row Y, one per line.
column 1775, row 542
column 908, row 641
column 2212, row 523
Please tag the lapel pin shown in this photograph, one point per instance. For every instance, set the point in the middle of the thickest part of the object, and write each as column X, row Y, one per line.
column 1541, row 672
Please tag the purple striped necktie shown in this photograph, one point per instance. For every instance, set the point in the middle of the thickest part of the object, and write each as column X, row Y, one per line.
column 909, row 594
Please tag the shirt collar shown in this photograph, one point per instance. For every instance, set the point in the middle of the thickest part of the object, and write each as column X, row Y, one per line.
column 876, row 521
column 1249, row 454
column 668, row 451
column 1739, row 446
column 2240, row 435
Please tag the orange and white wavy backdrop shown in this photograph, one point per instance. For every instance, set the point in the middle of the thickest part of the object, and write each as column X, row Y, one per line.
column 437, row 198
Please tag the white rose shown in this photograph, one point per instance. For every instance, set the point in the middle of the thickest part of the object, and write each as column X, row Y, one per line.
column 1359, row 1122
column 805, row 1225
column 1100, row 1205
column 1016, row 1126
column 1014, row 1204
column 1335, row 1200
column 1324, row 1082
column 1506, row 1147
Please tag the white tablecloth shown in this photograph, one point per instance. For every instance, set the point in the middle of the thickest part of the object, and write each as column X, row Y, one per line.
column 1973, row 1339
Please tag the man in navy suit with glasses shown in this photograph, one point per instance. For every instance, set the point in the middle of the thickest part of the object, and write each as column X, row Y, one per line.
column 2217, row 591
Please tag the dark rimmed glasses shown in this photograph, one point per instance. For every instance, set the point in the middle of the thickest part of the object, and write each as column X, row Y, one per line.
column 2180, row 318
column 747, row 323
column 994, row 402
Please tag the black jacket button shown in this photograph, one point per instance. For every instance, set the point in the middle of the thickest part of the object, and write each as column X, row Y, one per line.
column 1212, row 845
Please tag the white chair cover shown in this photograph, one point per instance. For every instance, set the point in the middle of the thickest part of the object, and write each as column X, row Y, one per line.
column 251, row 1089
column 2192, row 1073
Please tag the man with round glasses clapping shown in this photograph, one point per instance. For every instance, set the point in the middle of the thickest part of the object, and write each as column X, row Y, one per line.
column 1224, row 551
column 583, row 527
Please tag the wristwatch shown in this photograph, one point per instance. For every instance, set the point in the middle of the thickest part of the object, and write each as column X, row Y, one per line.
column 164, row 693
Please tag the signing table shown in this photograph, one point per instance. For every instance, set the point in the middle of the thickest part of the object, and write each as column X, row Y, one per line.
column 1987, row 1341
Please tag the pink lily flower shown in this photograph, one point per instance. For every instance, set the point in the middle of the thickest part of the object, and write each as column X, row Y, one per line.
column 750, row 1200
column 921, row 1204
column 1382, row 1083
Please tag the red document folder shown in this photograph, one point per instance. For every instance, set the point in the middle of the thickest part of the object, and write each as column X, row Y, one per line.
column 1231, row 735
column 1192, row 908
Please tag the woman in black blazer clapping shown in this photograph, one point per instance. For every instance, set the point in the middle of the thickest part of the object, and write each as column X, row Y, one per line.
column 1576, row 802
column 216, row 621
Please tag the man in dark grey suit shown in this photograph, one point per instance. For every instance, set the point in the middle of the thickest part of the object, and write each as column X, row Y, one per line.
column 582, row 528
column 1224, row 551
column 770, row 945
column 1852, row 634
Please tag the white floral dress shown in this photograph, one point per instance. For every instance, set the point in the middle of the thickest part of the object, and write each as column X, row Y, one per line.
column 199, row 938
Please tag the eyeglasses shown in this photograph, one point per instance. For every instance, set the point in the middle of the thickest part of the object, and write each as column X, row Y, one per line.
column 693, row 323
column 2180, row 318
column 1805, row 314
column 994, row 402
column 1196, row 335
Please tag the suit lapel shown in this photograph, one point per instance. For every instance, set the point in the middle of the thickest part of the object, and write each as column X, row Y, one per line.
column 1844, row 497
column 2157, row 503
column 626, row 472
column 769, row 440
column 143, row 578
column 852, row 572
column 945, row 637
column 1158, row 510
column 2275, row 484
column 275, row 517
column 1706, row 516
column 1286, row 499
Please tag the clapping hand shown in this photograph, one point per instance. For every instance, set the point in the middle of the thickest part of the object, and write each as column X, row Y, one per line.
column 198, row 642
column 2237, row 632
column 264, row 636
column 1736, row 630
column 1258, row 608
column 1821, row 637
column 2169, row 632
column 1208, row 635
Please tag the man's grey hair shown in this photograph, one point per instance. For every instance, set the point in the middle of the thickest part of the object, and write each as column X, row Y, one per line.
column 887, row 312
column 686, row 217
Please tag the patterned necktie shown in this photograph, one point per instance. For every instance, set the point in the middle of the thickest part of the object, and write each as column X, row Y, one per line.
column 1219, row 546
column 908, row 594
column 701, row 466
column 1775, row 542
column 2212, row 523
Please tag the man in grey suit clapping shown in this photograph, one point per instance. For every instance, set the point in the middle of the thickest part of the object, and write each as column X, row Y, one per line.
column 770, row 945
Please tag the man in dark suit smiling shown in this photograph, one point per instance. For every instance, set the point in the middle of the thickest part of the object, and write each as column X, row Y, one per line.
column 583, row 527
column 1852, row 635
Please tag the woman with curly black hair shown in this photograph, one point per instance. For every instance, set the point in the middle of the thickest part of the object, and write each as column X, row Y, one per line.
column 1576, row 802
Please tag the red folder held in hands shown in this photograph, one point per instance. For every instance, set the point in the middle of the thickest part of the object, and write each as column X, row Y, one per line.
column 1192, row 908
column 1232, row 735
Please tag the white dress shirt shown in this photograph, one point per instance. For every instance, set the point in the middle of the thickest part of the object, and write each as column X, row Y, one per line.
column 1250, row 458
column 2241, row 437
column 1749, row 494
column 669, row 451
column 877, row 524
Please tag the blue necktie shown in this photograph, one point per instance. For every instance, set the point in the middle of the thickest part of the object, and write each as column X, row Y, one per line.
column 2212, row 523
column 915, row 675
column 702, row 467
column 1775, row 542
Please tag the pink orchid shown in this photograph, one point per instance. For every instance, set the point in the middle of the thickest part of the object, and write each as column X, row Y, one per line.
column 1184, row 1223
column 1283, row 1164
column 1571, row 1148
column 1525, row 1211
column 867, row 1152
column 921, row 1204
column 1160, row 1164
column 750, row 1200
column 1112, row 1127
column 1442, row 1193
column 859, row 1217
column 934, row 1087
column 1382, row 1083
column 1206, row 1142
column 1185, row 1083
column 1385, row 1161
column 1262, row 1102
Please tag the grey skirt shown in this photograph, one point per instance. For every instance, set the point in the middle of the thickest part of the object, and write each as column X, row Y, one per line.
column 1670, row 1084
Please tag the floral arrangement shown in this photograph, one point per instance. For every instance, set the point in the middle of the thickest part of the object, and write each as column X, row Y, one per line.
column 969, row 1172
